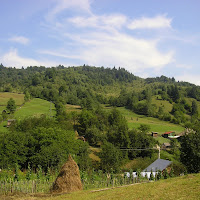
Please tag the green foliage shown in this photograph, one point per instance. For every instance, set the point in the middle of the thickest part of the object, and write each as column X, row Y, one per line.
column 171, row 174
column 194, row 108
column 190, row 148
column 111, row 158
column 27, row 96
column 165, row 174
column 16, row 174
column 140, row 140
column 159, row 175
column 39, row 141
column 11, row 107
column 151, row 176
column 144, row 128
column 118, row 129
column 28, row 173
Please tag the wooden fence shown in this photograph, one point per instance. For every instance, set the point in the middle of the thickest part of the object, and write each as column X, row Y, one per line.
column 43, row 186
column 25, row 186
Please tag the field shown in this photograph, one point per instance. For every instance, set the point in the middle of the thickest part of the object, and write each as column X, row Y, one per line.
column 167, row 107
column 35, row 107
column 32, row 108
column 5, row 96
column 38, row 106
column 185, row 187
column 134, row 121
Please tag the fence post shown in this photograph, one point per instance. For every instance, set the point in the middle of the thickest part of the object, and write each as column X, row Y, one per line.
column 10, row 186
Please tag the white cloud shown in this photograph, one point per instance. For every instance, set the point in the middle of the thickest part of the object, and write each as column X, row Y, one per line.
column 109, row 49
column 19, row 39
column 61, row 5
column 151, row 23
column 123, row 50
column 102, row 40
column 12, row 59
column 102, row 22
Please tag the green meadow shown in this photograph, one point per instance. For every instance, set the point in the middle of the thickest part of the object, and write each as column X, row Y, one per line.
column 156, row 125
column 35, row 107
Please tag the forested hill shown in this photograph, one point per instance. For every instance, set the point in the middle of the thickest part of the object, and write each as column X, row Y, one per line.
column 88, row 86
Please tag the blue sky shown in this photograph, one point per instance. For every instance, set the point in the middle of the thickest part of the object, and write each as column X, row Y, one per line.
column 147, row 37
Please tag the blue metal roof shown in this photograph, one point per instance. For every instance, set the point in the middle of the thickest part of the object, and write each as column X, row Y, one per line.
column 159, row 164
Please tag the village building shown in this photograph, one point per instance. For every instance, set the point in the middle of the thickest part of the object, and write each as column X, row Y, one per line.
column 9, row 122
column 167, row 134
column 154, row 134
column 166, row 145
column 159, row 164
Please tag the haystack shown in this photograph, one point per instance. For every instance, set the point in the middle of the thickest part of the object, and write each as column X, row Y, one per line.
column 68, row 179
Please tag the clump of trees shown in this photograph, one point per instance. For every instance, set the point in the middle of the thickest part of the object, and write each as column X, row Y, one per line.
column 190, row 148
column 11, row 106
column 40, row 142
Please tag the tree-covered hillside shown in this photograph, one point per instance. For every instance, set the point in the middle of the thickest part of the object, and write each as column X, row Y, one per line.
column 90, row 87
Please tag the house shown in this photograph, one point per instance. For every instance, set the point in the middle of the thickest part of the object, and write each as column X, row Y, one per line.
column 154, row 134
column 159, row 164
column 166, row 145
column 9, row 122
column 167, row 134
column 174, row 137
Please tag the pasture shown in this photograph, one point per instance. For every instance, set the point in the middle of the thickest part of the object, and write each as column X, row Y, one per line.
column 35, row 107
column 156, row 125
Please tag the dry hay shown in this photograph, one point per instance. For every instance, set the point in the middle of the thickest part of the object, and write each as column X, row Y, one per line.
column 68, row 179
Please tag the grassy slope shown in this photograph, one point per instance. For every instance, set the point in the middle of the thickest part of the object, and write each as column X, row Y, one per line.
column 134, row 121
column 185, row 187
column 33, row 108
column 167, row 107
column 5, row 96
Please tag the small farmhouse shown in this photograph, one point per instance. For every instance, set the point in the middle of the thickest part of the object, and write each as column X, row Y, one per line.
column 9, row 122
column 154, row 134
column 166, row 145
column 159, row 164
column 167, row 134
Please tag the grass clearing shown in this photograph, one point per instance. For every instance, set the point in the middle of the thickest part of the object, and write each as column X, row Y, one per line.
column 167, row 107
column 135, row 120
column 93, row 155
column 185, row 187
column 35, row 107
column 5, row 96
column 73, row 108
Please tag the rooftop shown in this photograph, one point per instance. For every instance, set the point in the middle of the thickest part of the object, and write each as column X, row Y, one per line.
column 159, row 164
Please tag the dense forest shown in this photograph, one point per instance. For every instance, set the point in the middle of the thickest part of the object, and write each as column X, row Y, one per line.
column 46, row 141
